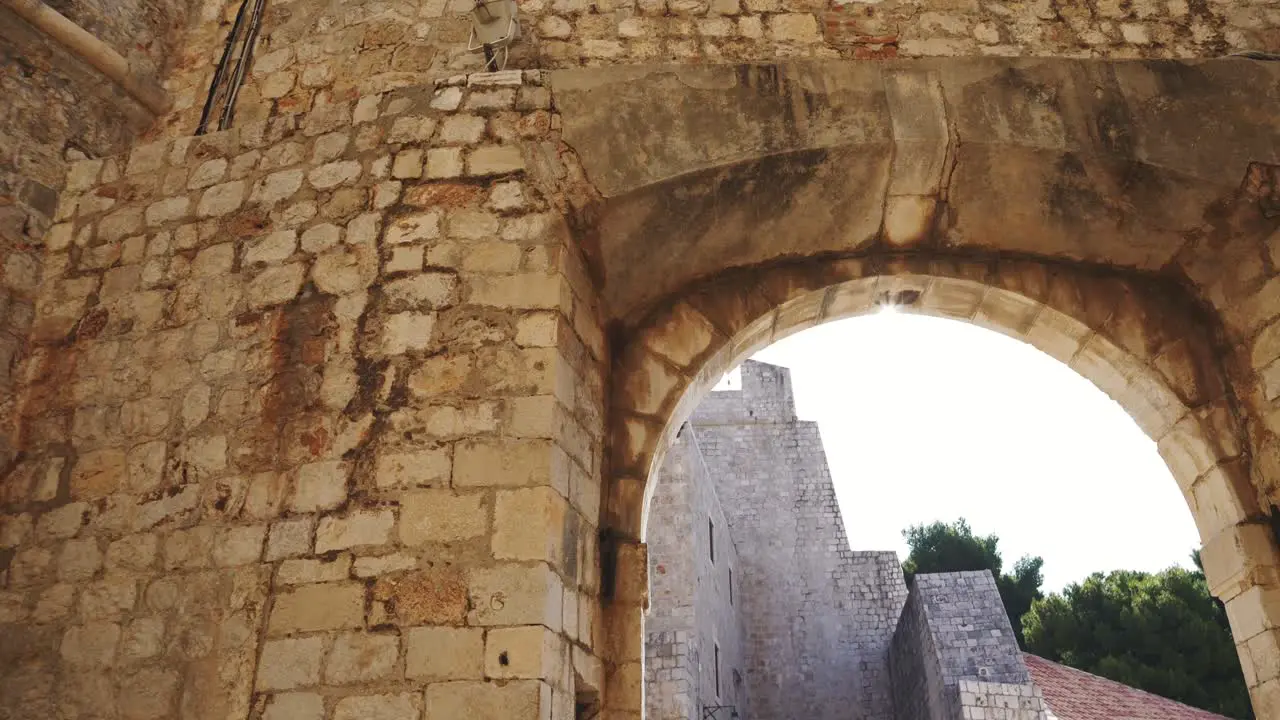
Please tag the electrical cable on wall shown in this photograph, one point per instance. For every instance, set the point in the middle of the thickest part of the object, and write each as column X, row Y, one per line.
column 224, row 89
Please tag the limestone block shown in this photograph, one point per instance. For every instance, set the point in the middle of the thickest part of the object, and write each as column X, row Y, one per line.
column 79, row 560
column 414, row 228
column 342, row 272
column 289, row 538
column 441, row 516
column 495, row 160
column 794, row 27
column 531, row 652
column 473, row 225
column 447, row 99
column 91, row 644
column 133, row 552
column 361, row 657
column 272, row 248
column 404, row 259
column 323, row 606
column 406, row 331
column 423, row 291
column 361, row 527
column 275, row 285
column 237, row 546
column 401, row 706
column 427, row 468
column 444, row 163
column 1236, row 558
column 528, row 290
column 462, row 129
column 277, row 186
column 166, row 211
column 15, row 529
column 408, row 164
column 143, row 638
column 319, row 486
column 486, row 701
column 537, row 329
column 190, row 548
column 529, row 524
column 207, row 173
column 334, row 174
column 321, row 237
column 511, row 594
column 287, row 664
column 97, row 474
column 221, row 199
column 411, row 129
column 109, row 598
column 444, row 653
column 506, row 463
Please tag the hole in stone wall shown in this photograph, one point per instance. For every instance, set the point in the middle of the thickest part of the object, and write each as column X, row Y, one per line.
column 503, row 660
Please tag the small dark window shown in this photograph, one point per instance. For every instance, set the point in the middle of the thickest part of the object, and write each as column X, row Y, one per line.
column 730, row 586
column 717, row 672
column 711, row 536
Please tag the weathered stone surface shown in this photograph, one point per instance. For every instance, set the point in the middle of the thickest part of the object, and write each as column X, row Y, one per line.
column 362, row 527
column 322, row 606
column 444, row 653
column 288, row 664
column 361, row 658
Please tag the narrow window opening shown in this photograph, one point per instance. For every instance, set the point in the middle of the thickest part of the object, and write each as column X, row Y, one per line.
column 730, row 586
column 717, row 671
column 711, row 536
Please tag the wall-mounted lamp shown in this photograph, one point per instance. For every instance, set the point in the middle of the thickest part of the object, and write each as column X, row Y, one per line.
column 494, row 26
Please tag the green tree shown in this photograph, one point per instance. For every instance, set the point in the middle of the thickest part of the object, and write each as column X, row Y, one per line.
column 952, row 547
column 1160, row 632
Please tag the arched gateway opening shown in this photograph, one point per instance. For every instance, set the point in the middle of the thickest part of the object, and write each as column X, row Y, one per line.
column 1071, row 205
column 1140, row 339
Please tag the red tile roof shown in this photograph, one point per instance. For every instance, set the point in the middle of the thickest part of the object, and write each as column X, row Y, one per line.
column 1077, row 695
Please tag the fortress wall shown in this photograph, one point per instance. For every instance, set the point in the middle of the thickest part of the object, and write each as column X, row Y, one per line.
column 817, row 617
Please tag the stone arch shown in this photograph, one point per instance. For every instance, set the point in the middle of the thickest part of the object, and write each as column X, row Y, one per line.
column 1140, row 338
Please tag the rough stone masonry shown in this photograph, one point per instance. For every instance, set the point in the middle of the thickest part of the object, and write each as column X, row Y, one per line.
column 760, row 608
column 350, row 411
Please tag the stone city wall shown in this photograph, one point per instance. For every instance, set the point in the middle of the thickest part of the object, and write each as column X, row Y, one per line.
column 954, row 655
column 1000, row 701
column 670, row 675
column 57, row 109
column 689, row 593
column 318, row 51
column 309, row 431
column 919, row 690
column 817, row 617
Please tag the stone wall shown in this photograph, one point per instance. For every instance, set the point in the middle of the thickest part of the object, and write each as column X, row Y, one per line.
column 919, row 690
column 669, row 624
column 56, row 109
column 691, row 612
column 315, row 51
column 954, row 655
column 817, row 617
column 309, row 428
column 970, row 628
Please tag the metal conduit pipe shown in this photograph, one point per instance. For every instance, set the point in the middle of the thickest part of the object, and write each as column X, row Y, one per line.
column 93, row 51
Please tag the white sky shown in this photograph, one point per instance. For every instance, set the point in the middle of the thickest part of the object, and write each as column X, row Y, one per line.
column 928, row 419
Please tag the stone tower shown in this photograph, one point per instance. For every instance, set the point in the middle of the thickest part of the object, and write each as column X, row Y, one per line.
column 811, row 621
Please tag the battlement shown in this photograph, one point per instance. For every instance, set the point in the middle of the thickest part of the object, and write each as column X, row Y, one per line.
column 765, row 397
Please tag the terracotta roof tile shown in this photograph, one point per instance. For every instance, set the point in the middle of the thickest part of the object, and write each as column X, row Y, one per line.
column 1077, row 695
